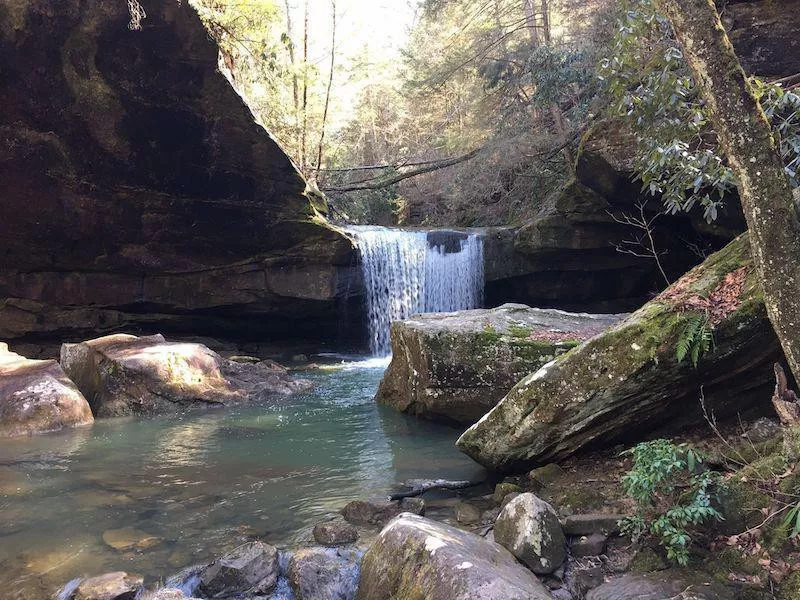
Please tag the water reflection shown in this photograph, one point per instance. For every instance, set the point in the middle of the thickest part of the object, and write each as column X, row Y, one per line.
column 197, row 484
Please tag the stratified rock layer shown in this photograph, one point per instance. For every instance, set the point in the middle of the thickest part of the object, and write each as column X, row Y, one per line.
column 454, row 367
column 627, row 382
column 36, row 396
column 124, row 374
column 414, row 557
column 138, row 189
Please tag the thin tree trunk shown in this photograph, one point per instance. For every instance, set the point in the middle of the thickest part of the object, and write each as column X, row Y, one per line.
column 304, row 128
column 328, row 92
column 295, row 82
column 746, row 138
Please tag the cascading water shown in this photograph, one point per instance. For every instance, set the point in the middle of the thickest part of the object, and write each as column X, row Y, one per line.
column 408, row 272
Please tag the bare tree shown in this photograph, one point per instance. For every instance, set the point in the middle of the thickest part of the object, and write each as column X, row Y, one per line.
column 328, row 92
column 304, row 128
column 642, row 243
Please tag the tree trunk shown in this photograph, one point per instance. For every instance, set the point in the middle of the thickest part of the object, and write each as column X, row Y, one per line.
column 295, row 83
column 304, row 129
column 746, row 138
column 320, row 149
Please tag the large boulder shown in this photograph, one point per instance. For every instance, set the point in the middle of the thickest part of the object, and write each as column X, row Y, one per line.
column 249, row 569
column 626, row 382
column 138, row 190
column 36, row 396
column 123, row 374
column 529, row 528
column 414, row 557
column 455, row 367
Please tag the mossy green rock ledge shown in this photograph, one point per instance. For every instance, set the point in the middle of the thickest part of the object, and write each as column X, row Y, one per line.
column 626, row 383
column 454, row 367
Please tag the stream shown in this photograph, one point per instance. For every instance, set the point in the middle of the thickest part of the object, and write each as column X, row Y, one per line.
column 186, row 488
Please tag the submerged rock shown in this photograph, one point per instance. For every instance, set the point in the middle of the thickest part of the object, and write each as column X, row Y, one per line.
column 130, row 538
column 324, row 574
column 627, row 382
column 37, row 396
column 249, row 569
column 454, row 367
column 335, row 533
column 124, row 374
column 110, row 586
column 529, row 528
column 372, row 511
column 414, row 557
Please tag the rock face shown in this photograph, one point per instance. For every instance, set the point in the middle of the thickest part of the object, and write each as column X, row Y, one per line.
column 529, row 528
column 455, row 367
column 627, row 382
column 138, row 189
column 36, row 396
column 249, row 569
column 414, row 557
column 124, row 375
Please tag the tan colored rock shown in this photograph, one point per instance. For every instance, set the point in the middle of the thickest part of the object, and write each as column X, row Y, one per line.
column 123, row 374
column 36, row 396
column 130, row 538
column 110, row 586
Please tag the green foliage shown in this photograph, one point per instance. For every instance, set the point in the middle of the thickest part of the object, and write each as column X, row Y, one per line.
column 673, row 492
column 792, row 520
column 519, row 331
column 652, row 90
column 695, row 339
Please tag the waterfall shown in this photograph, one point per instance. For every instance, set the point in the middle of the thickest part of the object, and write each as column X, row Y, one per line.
column 408, row 272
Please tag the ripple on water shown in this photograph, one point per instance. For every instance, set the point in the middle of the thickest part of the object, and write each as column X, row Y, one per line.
column 201, row 483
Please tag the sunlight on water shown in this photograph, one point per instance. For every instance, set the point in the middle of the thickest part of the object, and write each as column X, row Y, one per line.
column 182, row 489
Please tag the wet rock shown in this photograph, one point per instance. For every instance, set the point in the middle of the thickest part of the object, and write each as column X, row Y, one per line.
column 454, row 367
column 110, row 586
column 593, row 544
column 249, row 569
column 414, row 557
column 413, row 505
column 324, row 574
column 627, row 379
column 370, row 512
column 529, row 528
column 467, row 514
column 36, row 396
column 508, row 498
column 124, row 374
column 503, row 489
column 335, row 533
column 586, row 577
column 659, row 586
column 130, row 538
column 490, row 515
column 587, row 524
column 139, row 191
column 165, row 594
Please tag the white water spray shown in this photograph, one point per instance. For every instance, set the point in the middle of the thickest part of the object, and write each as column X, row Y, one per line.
column 408, row 272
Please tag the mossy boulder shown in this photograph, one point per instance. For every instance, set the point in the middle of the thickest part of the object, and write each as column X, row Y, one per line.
column 626, row 382
column 455, row 367
column 415, row 558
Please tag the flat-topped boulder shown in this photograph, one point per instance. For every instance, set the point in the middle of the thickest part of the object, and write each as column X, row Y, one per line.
column 124, row 375
column 627, row 382
column 454, row 367
column 36, row 396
